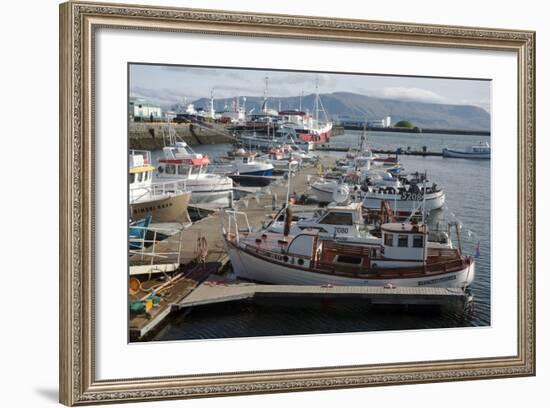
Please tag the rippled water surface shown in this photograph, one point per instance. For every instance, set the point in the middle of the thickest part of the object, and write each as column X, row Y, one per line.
column 467, row 186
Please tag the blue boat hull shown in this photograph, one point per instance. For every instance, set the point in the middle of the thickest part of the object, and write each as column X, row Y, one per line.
column 258, row 173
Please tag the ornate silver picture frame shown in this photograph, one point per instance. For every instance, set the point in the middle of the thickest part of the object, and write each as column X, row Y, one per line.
column 79, row 22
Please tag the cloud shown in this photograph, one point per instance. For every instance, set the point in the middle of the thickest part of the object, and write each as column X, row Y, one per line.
column 480, row 103
column 411, row 94
column 202, row 71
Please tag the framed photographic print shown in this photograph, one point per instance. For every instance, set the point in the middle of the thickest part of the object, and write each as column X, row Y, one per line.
column 264, row 203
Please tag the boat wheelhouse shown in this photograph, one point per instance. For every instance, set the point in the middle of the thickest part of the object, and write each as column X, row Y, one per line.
column 339, row 221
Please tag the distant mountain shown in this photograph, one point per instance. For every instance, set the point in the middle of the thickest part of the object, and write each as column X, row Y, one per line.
column 352, row 106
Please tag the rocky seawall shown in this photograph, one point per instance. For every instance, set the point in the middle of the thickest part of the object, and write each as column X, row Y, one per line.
column 149, row 136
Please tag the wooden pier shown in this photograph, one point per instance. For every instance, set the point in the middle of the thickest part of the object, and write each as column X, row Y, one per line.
column 201, row 254
column 260, row 204
column 182, row 285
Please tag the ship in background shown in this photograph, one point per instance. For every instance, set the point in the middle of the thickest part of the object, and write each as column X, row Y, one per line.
column 314, row 128
column 309, row 128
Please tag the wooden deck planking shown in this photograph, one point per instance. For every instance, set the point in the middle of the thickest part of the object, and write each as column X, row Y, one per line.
column 210, row 293
column 258, row 207
column 142, row 324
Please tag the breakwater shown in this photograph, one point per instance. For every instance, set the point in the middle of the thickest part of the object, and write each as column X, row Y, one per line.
column 338, row 148
column 464, row 132
column 150, row 135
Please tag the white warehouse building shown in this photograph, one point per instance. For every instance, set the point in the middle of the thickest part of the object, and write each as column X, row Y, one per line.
column 382, row 123
column 144, row 110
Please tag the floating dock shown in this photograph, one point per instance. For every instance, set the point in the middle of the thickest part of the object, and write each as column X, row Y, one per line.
column 219, row 292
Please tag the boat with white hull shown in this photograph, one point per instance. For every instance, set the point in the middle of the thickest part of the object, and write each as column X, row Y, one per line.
column 163, row 201
column 405, row 201
column 242, row 162
column 480, row 151
column 343, row 223
column 181, row 164
column 402, row 198
column 325, row 188
column 401, row 260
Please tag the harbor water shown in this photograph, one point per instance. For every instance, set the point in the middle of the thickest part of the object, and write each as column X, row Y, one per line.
column 467, row 184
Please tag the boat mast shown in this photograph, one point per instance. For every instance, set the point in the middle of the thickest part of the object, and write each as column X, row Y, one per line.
column 424, row 198
column 289, row 180
column 265, row 93
column 316, row 104
column 212, row 112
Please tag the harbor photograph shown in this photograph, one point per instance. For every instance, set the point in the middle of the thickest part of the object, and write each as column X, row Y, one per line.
column 283, row 203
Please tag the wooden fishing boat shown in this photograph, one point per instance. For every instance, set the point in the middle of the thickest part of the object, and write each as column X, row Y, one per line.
column 402, row 259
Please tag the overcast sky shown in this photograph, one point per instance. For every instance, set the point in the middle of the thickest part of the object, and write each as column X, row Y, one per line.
column 167, row 85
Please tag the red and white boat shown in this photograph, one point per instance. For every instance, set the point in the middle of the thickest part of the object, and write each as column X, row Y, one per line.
column 309, row 128
column 181, row 164
column 403, row 258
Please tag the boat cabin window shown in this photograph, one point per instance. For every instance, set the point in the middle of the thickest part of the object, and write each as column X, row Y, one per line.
column 145, row 176
column 403, row 241
column 388, row 239
column 418, row 241
column 170, row 169
column 245, row 160
column 132, row 178
column 337, row 218
column 354, row 260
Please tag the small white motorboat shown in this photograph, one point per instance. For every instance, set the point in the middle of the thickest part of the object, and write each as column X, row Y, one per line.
column 479, row 151
column 181, row 163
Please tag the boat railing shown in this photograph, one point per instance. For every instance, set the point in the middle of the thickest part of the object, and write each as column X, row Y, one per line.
column 159, row 188
column 149, row 249
column 144, row 154
column 233, row 223
column 370, row 269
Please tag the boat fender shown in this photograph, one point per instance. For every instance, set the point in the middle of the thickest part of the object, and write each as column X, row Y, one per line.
column 300, row 261
column 202, row 247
